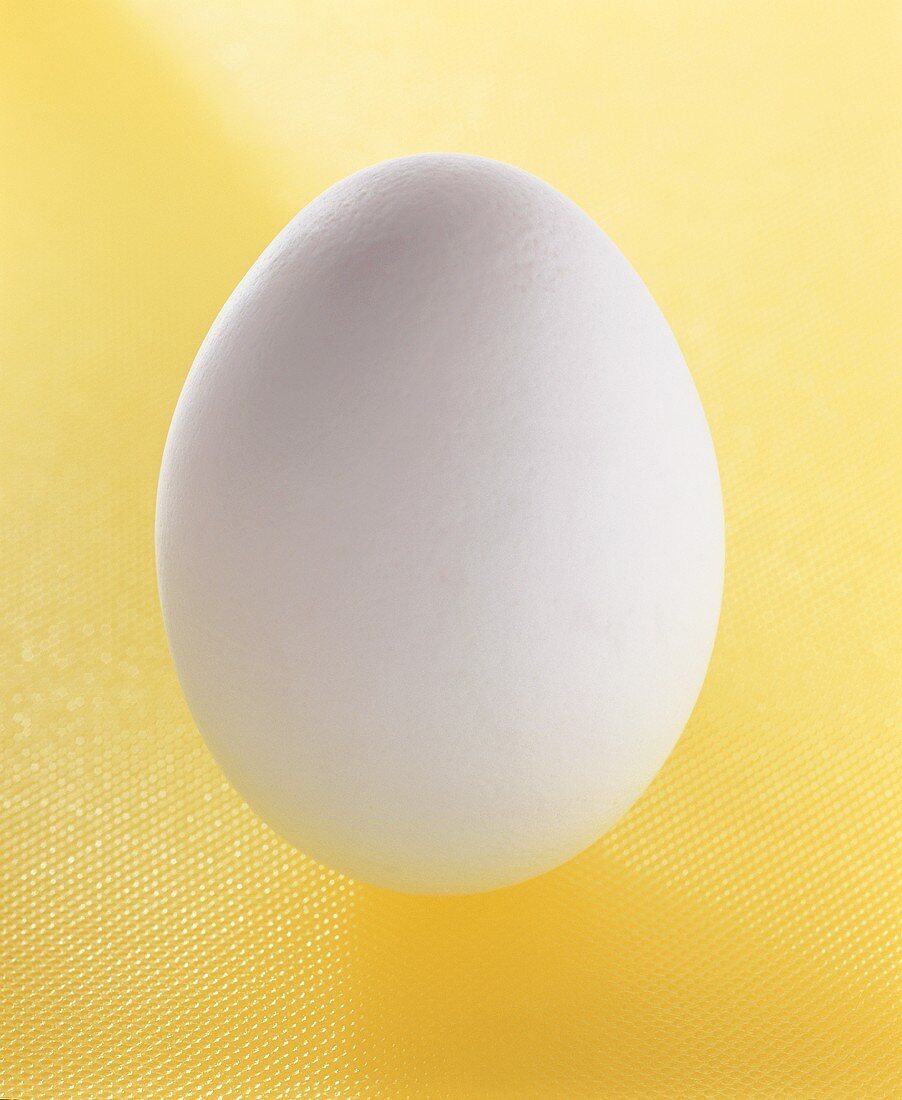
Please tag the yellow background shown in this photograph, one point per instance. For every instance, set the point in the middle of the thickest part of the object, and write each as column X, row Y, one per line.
column 736, row 934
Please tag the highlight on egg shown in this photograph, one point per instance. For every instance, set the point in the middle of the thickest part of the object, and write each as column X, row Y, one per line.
column 439, row 530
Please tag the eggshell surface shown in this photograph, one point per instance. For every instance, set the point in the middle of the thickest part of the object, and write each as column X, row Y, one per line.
column 439, row 530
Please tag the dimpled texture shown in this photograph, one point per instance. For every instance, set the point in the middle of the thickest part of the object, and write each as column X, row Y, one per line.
column 439, row 530
column 736, row 934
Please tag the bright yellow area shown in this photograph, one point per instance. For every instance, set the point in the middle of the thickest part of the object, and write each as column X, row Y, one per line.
column 736, row 934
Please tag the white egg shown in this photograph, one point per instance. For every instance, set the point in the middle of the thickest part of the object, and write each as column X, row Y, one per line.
column 439, row 530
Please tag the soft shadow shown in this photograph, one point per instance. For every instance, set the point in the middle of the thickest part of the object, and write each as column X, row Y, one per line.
column 596, row 979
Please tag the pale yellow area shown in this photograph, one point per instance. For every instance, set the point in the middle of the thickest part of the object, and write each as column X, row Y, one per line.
column 737, row 934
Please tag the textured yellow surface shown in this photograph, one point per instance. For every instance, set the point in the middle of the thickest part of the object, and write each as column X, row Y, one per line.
column 736, row 934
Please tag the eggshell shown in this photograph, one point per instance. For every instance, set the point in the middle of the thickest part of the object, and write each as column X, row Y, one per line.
column 439, row 530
